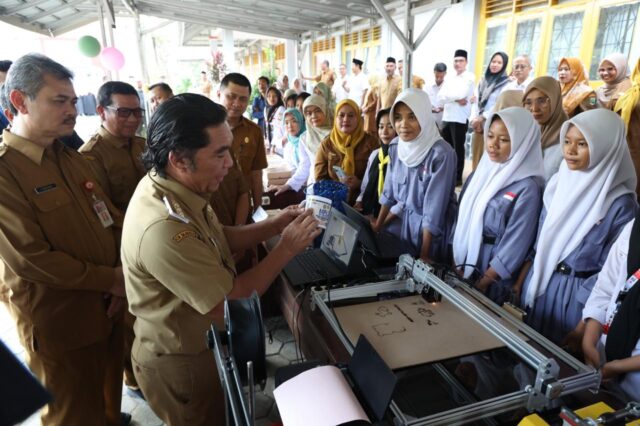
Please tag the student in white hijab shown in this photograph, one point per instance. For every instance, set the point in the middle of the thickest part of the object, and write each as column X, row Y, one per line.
column 586, row 205
column 418, row 200
column 319, row 126
column 500, row 204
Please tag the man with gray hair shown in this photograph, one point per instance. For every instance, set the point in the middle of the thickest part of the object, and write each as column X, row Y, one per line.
column 59, row 240
column 521, row 75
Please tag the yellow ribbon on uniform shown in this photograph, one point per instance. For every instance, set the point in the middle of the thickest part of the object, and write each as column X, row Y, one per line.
column 629, row 99
column 384, row 160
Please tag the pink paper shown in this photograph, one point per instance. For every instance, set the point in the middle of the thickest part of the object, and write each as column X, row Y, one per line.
column 318, row 397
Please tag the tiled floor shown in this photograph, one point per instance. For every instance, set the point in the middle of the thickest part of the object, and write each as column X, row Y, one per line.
column 281, row 351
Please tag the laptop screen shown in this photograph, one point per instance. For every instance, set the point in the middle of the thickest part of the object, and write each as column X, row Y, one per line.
column 340, row 238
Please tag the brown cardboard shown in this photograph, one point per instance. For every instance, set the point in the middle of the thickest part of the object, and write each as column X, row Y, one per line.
column 410, row 331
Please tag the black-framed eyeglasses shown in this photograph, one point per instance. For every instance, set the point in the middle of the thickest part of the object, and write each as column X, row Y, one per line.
column 126, row 112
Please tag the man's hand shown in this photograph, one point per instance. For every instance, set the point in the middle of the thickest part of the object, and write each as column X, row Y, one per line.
column 279, row 189
column 300, row 233
column 462, row 102
column 286, row 216
column 117, row 289
column 358, row 206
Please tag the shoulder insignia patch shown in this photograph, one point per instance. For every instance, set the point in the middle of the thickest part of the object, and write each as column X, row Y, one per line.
column 592, row 100
column 185, row 234
column 174, row 209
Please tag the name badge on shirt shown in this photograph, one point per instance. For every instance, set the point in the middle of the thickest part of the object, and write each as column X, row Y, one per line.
column 99, row 206
column 46, row 188
column 103, row 213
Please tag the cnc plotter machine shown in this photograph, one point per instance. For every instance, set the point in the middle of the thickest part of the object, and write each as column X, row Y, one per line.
column 459, row 357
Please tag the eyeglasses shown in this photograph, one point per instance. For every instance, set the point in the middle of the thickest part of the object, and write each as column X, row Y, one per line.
column 520, row 67
column 126, row 112
column 539, row 102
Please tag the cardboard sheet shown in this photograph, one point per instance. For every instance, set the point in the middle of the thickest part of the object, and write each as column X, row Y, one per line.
column 410, row 331
column 318, row 397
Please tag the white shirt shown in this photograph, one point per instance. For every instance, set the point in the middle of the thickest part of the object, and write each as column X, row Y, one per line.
column 514, row 85
column 455, row 87
column 358, row 85
column 304, row 173
column 491, row 102
column 338, row 90
column 602, row 301
column 433, row 91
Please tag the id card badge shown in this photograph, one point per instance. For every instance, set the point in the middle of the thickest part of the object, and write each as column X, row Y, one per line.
column 103, row 213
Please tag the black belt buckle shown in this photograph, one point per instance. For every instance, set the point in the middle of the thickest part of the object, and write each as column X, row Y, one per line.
column 563, row 268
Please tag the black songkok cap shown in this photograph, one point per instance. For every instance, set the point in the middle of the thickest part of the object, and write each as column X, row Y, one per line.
column 391, row 59
column 460, row 53
column 357, row 62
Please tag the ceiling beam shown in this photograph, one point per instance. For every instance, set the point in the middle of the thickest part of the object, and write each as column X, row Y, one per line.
column 211, row 22
column 318, row 7
column 275, row 13
column 65, row 25
column 189, row 31
column 248, row 18
column 19, row 8
column 64, row 5
column 17, row 22
column 238, row 23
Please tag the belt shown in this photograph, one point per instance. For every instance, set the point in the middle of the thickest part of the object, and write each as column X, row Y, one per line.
column 563, row 268
column 486, row 239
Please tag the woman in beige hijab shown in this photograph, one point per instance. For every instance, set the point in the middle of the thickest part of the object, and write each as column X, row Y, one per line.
column 543, row 100
column 614, row 72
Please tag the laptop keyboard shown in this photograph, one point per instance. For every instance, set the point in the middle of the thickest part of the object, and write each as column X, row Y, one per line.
column 312, row 266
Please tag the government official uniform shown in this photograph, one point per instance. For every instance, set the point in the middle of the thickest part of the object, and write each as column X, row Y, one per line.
column 116, row 163
column 59, row 259
column 178, row 267
column 118, row 168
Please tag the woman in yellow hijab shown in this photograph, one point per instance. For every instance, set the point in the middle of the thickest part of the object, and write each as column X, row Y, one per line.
column 343, row 155
column 577, row 95
column 628, row 106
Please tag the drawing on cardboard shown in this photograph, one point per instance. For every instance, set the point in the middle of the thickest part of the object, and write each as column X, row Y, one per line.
column 387, row 329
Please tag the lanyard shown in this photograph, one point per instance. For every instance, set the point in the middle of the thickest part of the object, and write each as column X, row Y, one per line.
column 620, row 299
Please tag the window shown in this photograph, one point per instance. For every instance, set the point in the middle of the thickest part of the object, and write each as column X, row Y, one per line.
column 528, row 39
column 615, row 33
column 496, row 41
column 565, row 39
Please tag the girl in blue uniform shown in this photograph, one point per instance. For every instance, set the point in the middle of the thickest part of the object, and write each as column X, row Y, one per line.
column 585, row 206
column 500, row 204
column 418, row 202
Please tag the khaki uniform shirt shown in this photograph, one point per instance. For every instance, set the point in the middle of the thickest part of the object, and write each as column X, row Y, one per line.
column 116, row 163
column 177, row 265
column 389, row 90
column 328, row 77
column 248, row 147
column 328, row 156
column 225, row 200
column 417, row 82
column 58, row 258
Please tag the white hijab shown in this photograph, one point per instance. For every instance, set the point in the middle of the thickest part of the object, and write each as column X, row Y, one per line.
column 489, row 178
column 414, row 152
column 314, row 136
column 577, row 200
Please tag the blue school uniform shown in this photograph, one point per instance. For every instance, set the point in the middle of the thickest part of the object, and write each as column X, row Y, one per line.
column 423, row 197
column 559, row 310
column 509, row 231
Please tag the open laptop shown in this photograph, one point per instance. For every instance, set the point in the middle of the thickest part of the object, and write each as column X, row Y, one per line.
column 334, row 259
column 383, row 245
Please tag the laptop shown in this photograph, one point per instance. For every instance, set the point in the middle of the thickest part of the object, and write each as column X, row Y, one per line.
column 334, row 260
column 383, row 245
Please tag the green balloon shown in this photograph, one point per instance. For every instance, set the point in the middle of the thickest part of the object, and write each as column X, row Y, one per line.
column 89, row 46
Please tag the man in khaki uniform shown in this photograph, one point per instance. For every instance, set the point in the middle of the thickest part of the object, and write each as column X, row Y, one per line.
column 248, row 141
column 114, row 151
column 177, row 259
column 59, row 246
column 390, row 86
column 327, row 76
column 114, row 155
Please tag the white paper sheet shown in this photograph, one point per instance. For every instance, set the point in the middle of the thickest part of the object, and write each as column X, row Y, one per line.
column 318, row 397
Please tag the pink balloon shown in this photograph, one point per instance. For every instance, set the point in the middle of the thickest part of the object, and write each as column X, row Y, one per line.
column 111, row 58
